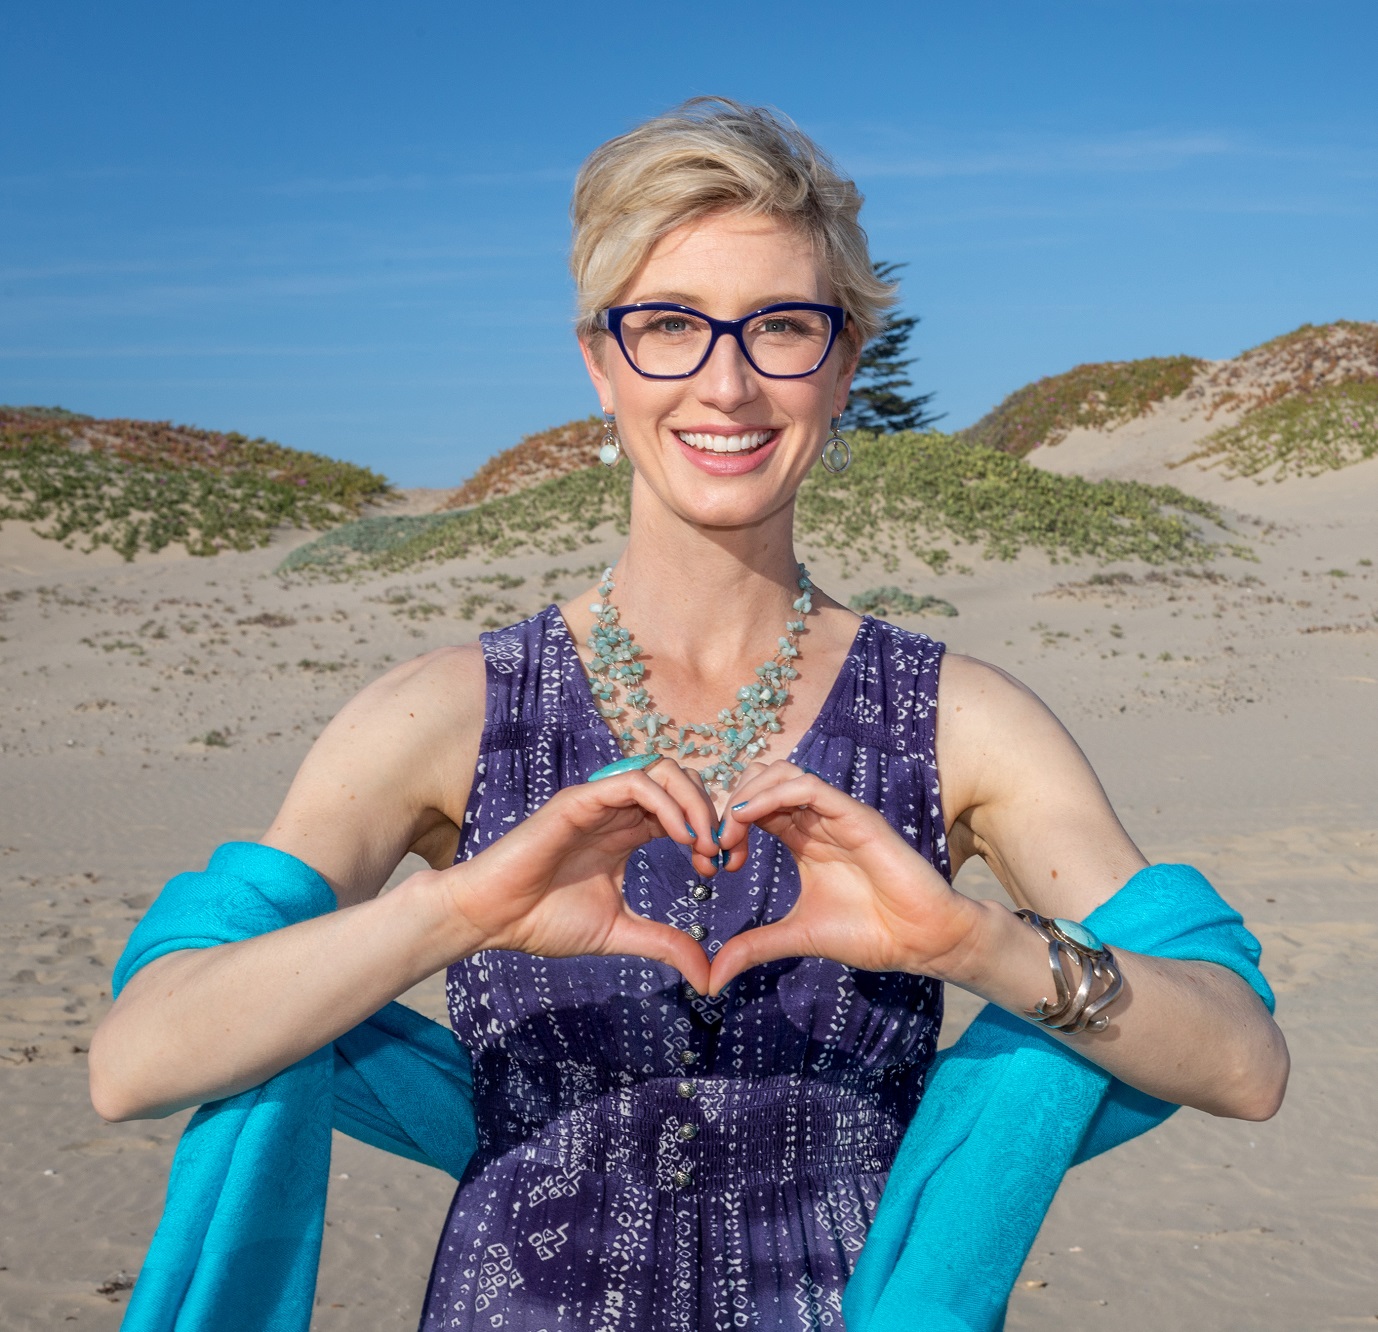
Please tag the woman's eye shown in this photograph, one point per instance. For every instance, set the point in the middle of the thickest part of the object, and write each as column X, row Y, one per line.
column 671, row 325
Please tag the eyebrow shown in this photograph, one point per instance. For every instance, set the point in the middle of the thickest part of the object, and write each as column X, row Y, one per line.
column 684, row 298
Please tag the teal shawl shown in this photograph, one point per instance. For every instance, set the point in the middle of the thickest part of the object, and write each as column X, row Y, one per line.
column 1006, row 1112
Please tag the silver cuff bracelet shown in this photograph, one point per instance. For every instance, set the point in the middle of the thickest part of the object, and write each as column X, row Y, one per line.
column 1074, row 1010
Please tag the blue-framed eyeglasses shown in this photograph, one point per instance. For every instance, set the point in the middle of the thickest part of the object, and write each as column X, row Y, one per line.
column 662, row 340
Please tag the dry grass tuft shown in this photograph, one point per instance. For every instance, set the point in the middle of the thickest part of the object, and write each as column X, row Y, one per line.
column 1096, row 397
column 540, row 457
column 143, row 485
column 1310, row 358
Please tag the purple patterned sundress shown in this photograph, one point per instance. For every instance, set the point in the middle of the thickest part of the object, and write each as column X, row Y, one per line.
column 648, row 1159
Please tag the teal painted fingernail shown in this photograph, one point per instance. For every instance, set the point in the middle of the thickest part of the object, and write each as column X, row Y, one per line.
column 717, row 836
column 743, row 805
column 689, row 828
column 721, row 859
column 812, row 773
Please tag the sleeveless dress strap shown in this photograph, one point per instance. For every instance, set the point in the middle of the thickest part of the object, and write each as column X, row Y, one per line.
column 883, row 715
column 539, row 733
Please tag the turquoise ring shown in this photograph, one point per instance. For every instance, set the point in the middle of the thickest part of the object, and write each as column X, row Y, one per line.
column 637, row 763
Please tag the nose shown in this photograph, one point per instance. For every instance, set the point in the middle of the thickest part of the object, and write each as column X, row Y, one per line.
column 727, row 380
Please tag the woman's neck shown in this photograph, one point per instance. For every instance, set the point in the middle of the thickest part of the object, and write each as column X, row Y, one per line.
column 708, row 598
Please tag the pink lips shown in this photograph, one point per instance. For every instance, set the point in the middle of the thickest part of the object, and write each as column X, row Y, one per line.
column 727, row 464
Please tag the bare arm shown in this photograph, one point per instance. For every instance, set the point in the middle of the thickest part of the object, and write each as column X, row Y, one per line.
column 1029, row 804
column 1027, row 801
column 389, row 774
column 203, row 1023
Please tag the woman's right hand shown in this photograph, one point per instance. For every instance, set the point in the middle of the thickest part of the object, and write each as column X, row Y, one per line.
column 552, row 886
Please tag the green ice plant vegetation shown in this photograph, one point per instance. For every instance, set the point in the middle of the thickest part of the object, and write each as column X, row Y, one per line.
column 1096, row 397
column 887, row 602
column 555, row 517
column 1321, row 431
column 907, row 492
column 903, row 491
column 136, row 486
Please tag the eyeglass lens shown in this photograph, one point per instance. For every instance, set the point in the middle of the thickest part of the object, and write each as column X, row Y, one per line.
column 670, row 342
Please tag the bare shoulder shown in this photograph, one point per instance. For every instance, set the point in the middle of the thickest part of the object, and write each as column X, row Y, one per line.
column 447, row 685
column 976, row 698
column 994, row 733
column 389, row 774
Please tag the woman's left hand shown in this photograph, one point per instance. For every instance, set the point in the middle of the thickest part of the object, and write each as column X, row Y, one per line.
column 866, row 897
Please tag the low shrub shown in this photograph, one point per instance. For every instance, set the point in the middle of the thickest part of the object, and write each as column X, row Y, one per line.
column 1321, row 431
column 901, row 492
column 139, row 485
column 904, row 490
column 1098, row 397
column 888, row 602
column 555, row 517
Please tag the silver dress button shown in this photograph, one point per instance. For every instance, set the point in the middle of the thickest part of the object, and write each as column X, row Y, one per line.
column 682, row 1179
column 697, row 933
column 688, row 1057
column 687, row 1089
column 701, row 892
column 688, row 1132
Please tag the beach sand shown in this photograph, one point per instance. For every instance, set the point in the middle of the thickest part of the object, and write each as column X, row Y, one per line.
column 153, row 710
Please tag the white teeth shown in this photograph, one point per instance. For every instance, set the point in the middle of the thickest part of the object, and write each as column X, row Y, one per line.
column 743, row 443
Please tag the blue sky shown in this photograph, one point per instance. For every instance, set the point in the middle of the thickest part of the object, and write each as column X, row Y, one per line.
column 344, row 225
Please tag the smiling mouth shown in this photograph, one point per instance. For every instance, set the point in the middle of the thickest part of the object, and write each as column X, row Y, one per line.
column 745, row 442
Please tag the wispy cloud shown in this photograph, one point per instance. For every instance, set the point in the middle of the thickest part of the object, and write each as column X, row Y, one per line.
column 294, row 251
column 1049, row 156
column 97, row 268
column 181, row 351
column 385, row 183
column 97, row 175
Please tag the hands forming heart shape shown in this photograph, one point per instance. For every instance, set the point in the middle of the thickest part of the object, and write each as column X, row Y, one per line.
column 553, row 885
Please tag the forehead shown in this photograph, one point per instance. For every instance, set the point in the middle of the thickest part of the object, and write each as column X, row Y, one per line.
column 729, row 263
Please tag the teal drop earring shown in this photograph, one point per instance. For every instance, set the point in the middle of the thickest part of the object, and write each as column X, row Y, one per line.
column 611, row 449
column 837, row 453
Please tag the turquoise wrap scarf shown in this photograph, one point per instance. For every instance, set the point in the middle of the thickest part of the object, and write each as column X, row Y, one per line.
column 240, row 1238
column 1006, row 1112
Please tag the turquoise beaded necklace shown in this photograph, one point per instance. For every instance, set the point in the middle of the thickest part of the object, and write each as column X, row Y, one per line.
column 739, row 734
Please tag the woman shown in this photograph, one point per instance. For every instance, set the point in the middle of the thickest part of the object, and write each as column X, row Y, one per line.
column 705, row 1151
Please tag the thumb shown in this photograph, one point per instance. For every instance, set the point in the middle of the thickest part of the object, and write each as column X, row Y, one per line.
column 752, row 948
column 651, row 939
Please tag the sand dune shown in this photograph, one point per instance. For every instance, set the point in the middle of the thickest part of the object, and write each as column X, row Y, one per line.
column 154, row 709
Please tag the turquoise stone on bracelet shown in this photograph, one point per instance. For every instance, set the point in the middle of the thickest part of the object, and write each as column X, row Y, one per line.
column 741, row 732
column 1078, row 934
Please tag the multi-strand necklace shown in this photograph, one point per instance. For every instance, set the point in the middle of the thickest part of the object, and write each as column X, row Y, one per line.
column 740, row 732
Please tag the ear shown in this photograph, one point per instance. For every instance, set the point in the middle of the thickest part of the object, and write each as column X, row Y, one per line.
column 593, row 363
column 846, row 373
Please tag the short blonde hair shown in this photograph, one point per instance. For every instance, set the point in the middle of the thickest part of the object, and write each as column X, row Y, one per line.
column 712, row 155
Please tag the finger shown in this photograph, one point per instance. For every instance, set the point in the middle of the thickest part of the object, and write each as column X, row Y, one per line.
column 686, row 786
column 734, row 830
column 808, row 814
column 752, row 948
column 640, row 937
column 757, row 777
column 723, row 857
column 707, row 866
column 658, row 813
column 801, row 790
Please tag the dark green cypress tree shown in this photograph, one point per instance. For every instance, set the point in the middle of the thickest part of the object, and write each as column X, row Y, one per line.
column 878, row 400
